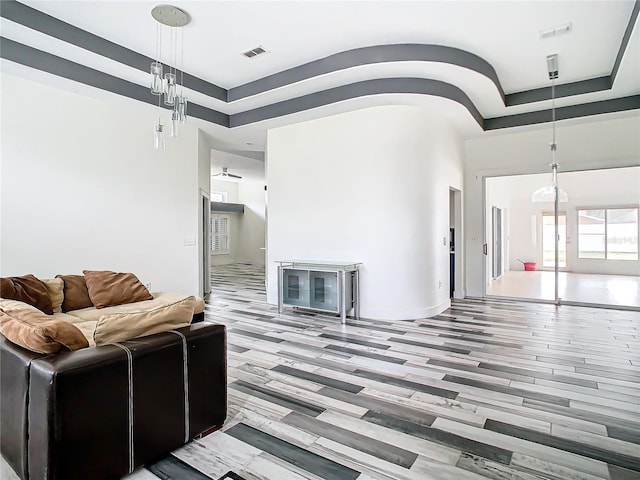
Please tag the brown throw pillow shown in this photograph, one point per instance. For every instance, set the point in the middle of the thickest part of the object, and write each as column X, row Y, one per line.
column 55, row 290
column 111, row 288
column 27, row 289
column 39, row 333
column 76, row 295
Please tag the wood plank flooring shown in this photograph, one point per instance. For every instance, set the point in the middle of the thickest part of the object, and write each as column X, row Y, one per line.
column 488, row 389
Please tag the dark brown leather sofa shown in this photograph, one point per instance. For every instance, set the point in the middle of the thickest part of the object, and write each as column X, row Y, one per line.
column 100, row 412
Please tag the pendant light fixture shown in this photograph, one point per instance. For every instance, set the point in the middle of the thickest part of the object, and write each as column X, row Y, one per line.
column 165, row 84
column 548, row 193
column 159, row 142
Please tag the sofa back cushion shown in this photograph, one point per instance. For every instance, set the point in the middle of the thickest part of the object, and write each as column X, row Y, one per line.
column 27, row 289
column 55, row 290
column 40, row 333
column 76, row 295
column 108, row 288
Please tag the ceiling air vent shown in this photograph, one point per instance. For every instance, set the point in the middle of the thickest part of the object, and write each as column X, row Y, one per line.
column 554, row 32
column 254, row 52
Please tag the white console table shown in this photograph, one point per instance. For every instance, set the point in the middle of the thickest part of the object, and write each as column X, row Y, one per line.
column 323, row 286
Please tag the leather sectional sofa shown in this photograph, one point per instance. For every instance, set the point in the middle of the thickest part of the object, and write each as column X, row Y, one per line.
column 101, row 412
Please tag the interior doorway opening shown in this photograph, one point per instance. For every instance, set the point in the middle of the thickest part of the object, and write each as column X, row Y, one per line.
column 456, row 281
column 597, row 238
column 548, row 240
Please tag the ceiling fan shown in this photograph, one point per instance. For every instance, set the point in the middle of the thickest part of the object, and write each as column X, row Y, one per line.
column 225, row 173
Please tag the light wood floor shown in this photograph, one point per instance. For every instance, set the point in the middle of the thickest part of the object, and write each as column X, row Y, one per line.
column 489, row 389
column 614, row 290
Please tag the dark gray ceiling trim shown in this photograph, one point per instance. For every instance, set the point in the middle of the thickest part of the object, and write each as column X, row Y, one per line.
column 585, row 86
column 32, row 18
column 563, row 90
column 31, row 57
column 36, row 20
column 227, row 207
column 564, row 113
column 625, row 40
column 354, row 90
column 34, row 58
column 405, row 52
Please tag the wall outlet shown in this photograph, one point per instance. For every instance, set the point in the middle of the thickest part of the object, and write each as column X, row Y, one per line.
column 440, row 284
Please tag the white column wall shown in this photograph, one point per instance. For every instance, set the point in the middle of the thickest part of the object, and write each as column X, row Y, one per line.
column 83, row 188
column 368, row 186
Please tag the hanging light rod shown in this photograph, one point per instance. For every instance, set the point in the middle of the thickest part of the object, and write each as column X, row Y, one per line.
column 552, row 66
column 170, row 16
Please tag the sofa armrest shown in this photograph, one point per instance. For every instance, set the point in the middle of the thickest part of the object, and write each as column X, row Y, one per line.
column 101, row 412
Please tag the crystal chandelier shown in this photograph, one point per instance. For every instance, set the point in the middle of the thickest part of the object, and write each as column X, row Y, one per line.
column 165, row 84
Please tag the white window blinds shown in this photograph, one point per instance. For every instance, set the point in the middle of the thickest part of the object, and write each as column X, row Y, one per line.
column 220, row 233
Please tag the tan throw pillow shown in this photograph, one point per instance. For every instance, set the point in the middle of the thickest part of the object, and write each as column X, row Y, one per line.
column 27, row 289
column 116, row 327
column 55, row 288
column 39, row 333
column 76, row 295
column 108, row 288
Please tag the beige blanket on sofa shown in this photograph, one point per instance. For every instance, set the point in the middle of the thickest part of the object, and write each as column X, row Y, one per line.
column 167, row 311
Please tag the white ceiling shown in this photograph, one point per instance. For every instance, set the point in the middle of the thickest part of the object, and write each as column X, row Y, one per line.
column 504, row 33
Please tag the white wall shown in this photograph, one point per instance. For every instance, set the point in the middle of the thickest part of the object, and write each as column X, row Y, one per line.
column 83, row 188
column 594, row 188
column 368, row 186
column 251, row 229
column 602, row 141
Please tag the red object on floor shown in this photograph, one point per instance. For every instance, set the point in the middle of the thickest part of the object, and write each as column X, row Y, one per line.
column 529, row 266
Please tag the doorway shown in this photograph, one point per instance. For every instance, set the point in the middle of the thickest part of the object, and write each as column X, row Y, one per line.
column 456, row 280
column 597, row 264
column 205, row 244
column 548, row 240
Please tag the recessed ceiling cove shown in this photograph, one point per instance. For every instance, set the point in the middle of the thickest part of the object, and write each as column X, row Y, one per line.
column 488, row 58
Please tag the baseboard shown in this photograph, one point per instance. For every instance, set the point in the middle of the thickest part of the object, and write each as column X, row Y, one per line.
column 406, row 314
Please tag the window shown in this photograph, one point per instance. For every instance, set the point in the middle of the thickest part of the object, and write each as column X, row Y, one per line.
column 218, row 197
column 608, row 233
column 220, row 233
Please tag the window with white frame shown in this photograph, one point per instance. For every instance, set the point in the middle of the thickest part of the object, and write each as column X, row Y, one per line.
column 220, row 234
column 608, row 233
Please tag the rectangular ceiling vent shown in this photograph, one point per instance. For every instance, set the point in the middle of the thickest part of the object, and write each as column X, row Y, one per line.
column 554, row 32
column 254, row 52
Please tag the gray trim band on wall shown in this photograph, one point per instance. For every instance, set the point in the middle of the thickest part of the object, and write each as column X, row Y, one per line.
column 37, row 20
column 565, row 113
column 405, row 52
column 625, row 40
column 46, row 62
column 34, row 19
column 359, row 89
column 562, row 90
